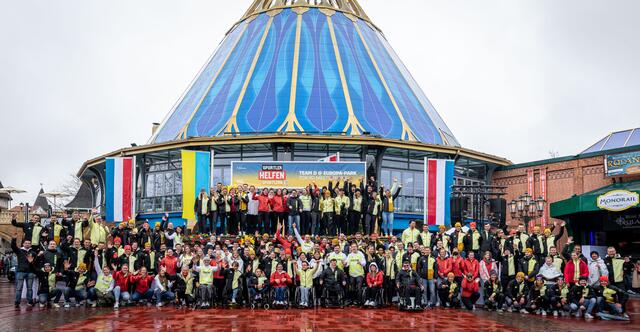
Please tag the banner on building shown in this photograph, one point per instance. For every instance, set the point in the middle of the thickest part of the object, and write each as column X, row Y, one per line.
column 623, row 164
column 438, row 185
column 294, row 174
column 531, row 190
column 196, row 175
column 120, row 189
column 543, row 193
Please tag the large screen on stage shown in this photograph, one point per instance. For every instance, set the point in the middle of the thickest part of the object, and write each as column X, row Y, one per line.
column 294, row 174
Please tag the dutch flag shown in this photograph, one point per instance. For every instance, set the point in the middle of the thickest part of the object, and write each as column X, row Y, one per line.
column 120, row 189
column 437, row 189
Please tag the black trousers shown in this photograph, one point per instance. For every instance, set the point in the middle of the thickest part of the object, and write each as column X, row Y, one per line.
column 223, row 223
column 213, row 220
column 444, row 298
column 232, row 224
column 251, row 223
column 354, row 222
column 305, row 223
column 469, row 302
column 264, row 220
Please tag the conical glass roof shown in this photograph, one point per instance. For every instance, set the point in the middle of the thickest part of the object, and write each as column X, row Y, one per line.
column 305, row 66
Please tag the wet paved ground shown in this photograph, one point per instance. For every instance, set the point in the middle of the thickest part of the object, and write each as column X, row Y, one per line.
column 350, row 319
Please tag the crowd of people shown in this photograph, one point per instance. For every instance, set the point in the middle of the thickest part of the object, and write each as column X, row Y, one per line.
column 330, row 246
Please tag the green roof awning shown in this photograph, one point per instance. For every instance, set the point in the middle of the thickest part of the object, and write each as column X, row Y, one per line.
column 587, row 202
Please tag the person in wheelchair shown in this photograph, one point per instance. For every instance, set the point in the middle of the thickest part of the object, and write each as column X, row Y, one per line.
column 232, row 283
column 258, row 287
column 355, row 262
column 333, row 280
column 204, row 284
column 410, row 287
column 374, row 286
column 280, row 281
column 305, row 273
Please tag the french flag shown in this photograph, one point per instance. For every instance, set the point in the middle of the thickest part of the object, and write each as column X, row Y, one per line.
column 120, row 189
column 437, row 189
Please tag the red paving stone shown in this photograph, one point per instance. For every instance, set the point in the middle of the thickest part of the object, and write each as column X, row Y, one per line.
column 349, row 319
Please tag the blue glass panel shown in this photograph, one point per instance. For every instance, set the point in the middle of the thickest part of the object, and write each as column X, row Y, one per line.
column 319, row 82
column 426, row 103
column 635, row 138
column 265, row 104
column 616, row 140
column 596, row 147
column 411, row 109
column 221, row 99
column 179, row 117
column 371, row 103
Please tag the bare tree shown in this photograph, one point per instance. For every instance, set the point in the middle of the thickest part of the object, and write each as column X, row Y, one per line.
column 69, row 186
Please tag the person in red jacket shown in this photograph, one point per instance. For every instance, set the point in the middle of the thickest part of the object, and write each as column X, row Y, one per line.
column 277, row 209
column 470, row 291
column 142, row 284
column 122, row 280
column 574, row 269
column 280, row 280
column 170, row 263
column 374, row 284
column 471, row 265
column 444, row 265
column 456, row 265
column 263, row 210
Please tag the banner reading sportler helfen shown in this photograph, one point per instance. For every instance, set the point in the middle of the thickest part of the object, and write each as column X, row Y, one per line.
column 294, row 174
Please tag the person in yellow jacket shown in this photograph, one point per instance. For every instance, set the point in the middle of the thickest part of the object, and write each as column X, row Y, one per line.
column 305, row 274
column 102, row 293
column 327, row 207
column 355, row 262
column 411, row 234
column 99, row 230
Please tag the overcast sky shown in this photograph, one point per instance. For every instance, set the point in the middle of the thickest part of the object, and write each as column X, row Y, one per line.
column 514, row 78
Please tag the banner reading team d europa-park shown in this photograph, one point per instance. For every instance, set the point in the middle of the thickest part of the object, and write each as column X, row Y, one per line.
column 294, row 174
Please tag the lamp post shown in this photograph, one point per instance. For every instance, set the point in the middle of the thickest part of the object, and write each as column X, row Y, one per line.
column 527, row 208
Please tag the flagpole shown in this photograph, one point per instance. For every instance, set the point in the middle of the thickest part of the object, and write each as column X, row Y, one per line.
column 133, row 188
column 425, row 195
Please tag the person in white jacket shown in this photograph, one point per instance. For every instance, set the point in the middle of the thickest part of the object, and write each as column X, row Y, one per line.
column 162, row 287
column 597, row 268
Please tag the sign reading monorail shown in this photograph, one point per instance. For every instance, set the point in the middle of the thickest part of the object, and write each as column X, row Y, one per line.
column 294, row 174
column 623, row 164
column 618, row 200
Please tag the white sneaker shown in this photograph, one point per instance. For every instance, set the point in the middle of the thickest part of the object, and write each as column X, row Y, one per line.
column 233, row 301
column 523, row 311
column 544, row 313
column 67, row 305
column 473, row 308
column 555, row 313
column 94, row 304
column 159, row 305
column 55, row 305
column 588, row 316
column 116, row 306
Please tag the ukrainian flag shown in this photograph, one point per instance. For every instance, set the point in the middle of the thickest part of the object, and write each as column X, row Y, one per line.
column 196, row 175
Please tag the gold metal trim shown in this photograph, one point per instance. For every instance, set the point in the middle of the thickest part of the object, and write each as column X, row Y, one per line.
column 345, row 6
column 232, row 124
column 407, row 132
column 183, row 132
column 291, row 122
column 353, row 126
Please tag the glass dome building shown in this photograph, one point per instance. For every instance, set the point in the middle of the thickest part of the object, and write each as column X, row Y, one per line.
column 297, row 80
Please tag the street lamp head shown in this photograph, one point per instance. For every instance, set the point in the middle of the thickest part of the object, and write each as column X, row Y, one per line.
column 513, row 208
